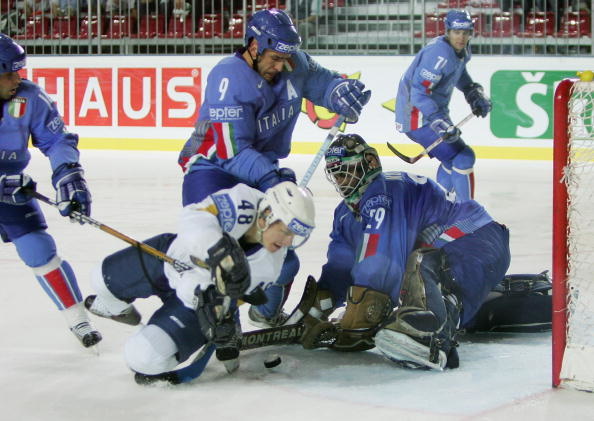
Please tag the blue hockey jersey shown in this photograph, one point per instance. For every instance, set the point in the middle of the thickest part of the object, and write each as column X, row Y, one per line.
column 398, row 212
column 31, row 112
column 428, row 83
column 245, row 123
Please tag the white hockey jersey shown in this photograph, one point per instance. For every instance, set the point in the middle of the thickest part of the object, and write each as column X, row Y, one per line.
column 201, row 226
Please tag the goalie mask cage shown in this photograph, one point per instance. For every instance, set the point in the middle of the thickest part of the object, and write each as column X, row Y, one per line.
column 573, row 235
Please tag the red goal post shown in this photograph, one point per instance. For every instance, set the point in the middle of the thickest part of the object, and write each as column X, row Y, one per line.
column 573, row 235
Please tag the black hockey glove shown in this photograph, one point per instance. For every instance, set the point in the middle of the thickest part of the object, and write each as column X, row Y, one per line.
column 216, row 323
column 229, row 267
column 479, row 103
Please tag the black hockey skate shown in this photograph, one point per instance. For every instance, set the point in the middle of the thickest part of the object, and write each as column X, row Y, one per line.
column 86, row 334
column 130, row 316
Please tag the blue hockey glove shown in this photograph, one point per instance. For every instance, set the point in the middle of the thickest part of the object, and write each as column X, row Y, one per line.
column 479, row 103
column 277, row 176
column 442, row 125
column 72, row 193
column 15, row 189
column 348, row 98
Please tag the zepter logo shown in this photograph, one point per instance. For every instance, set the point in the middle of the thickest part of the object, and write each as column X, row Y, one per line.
column 299, row 228
column 461, row 25
column 282, row 47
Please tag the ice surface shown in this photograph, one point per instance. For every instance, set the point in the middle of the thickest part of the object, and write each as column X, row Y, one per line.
column 46, row 375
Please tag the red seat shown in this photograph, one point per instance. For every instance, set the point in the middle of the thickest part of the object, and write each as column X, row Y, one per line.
column 434, row 25
column 575, row 25
column 119, row 26
column 35, row 27
column 480, row 23
column 151, row 26
column 180, row 26
column 331, row 4
column 64, row 27
column 210, row 25
column 6, row 6
column 503, row 24
column 538, row 25
column 235, row 29
column 453, row 4
column 91, row 25
column 265, row 4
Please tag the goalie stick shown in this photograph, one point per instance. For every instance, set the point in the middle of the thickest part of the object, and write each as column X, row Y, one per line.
column 288, row 333
column 437, row 142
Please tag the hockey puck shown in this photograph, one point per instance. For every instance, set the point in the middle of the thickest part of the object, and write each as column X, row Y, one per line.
column 272, row 361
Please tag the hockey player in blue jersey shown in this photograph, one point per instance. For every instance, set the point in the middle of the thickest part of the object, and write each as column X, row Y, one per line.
column 26, row 110
column 239, row 238
column 426, row 89
column 400, row 239
column 251, row 104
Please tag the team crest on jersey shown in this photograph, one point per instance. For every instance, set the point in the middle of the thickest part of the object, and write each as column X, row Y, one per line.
column 226, row 210
column 374, row 202
column 17, row 106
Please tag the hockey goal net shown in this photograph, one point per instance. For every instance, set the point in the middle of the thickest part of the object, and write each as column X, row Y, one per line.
column 573, row 236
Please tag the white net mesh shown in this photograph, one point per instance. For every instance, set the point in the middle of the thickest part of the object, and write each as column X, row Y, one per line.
column 578, row 361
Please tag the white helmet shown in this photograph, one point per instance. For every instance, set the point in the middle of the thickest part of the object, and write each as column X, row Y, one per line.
column 291, row 204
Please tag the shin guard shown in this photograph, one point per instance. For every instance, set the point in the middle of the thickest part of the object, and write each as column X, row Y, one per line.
column 59, row 282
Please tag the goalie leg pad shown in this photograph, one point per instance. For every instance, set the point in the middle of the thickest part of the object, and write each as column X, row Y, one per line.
column 422, row 331
column 366, row 310
column 422, row 312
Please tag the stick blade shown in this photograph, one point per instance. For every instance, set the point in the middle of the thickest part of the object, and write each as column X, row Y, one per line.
column 410, row 160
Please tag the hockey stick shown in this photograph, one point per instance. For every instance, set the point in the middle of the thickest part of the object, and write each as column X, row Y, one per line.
column 322, row 151
column 437, row 142
column 83, row 219
column 280, row 335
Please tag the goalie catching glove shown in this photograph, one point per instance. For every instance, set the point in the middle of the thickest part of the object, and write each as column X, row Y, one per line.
column 229, row 268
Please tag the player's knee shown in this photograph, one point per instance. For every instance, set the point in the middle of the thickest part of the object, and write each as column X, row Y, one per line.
column 36, row 248
column 464, row 160
column 150, row 351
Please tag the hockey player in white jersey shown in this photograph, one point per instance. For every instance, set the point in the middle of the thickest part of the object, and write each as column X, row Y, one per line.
column 425, row 90
column 26, row 111
column 236, row 239
column 252, row 101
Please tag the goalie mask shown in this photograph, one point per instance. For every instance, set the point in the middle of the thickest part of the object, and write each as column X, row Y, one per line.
column 292, row 205
column 348, row 168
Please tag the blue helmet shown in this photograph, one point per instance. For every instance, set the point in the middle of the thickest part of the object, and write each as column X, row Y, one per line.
column 12, row 55
column 458, row 19
column 273, row 29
